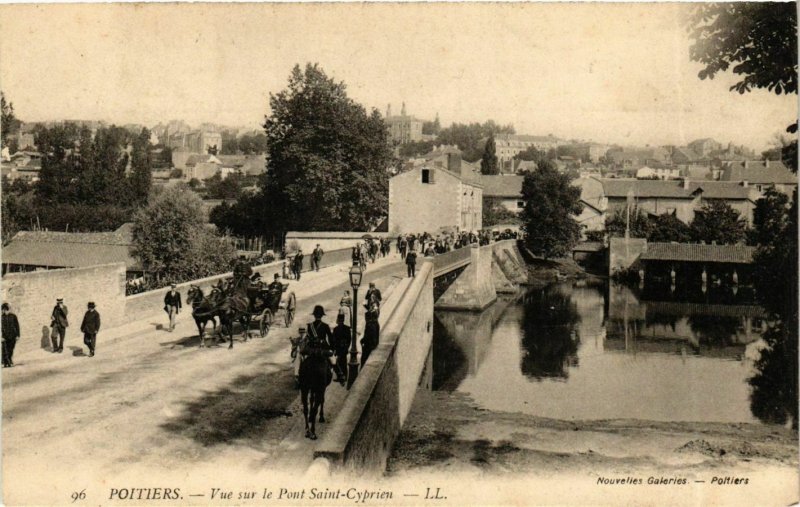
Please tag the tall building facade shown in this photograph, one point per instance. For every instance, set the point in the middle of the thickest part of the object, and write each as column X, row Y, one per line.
column 403, row 128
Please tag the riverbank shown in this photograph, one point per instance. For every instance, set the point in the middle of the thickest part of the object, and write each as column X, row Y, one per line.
column 542, row 272
column 448, row 433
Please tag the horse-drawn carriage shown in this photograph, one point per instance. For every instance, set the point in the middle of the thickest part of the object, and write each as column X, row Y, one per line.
column 267, row 305
column 244, row 302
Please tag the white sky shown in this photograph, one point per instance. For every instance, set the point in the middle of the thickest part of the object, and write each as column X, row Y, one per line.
column 606, row 72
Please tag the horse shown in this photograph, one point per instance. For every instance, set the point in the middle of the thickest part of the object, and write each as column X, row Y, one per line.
column 315, row 376
column 203, row 310
column 235, row 306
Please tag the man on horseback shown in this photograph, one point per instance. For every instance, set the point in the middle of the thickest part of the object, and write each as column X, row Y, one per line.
column 315, row 370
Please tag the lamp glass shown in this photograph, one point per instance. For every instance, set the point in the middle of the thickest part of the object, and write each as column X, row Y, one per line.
column 355, row 277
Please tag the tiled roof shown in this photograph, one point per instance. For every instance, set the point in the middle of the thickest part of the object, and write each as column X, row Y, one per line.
column 70, row 249
column 619, row 188
column 760, row 173
column 502, row 185
column 737, row 254
column 525, row 138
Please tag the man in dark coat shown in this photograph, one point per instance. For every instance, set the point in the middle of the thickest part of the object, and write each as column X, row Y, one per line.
column 297, row 264
column 320, row 332
column 59, row 323
column 90, row 327
column 10, row 326
column 172, row 305
column 411, row 263
column 372, row 331
column 373, row 291
column 316, row 257
column 341, row 342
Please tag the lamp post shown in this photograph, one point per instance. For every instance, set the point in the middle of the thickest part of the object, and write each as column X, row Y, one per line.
column 355, row 282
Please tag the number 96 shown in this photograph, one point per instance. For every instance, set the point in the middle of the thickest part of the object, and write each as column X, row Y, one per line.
column 78, row 495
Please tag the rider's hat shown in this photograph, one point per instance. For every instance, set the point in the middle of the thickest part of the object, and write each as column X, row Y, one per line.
column 318, row 311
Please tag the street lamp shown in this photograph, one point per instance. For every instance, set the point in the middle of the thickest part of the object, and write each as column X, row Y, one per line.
column 355, row 282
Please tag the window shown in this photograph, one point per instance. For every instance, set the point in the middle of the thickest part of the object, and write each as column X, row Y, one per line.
column 520, row 204
column 427, row 176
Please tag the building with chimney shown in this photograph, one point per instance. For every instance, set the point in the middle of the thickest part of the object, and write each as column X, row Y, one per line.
column 440, row 193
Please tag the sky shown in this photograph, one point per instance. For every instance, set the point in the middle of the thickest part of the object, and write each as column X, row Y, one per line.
column 616, row 73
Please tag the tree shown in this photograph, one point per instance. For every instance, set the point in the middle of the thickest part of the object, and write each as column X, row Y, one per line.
column 758, row 38
column 640, row 225
column 533, row 154
column 496, row 214
column 171, row 241
column 667, row 228
column 141, row 177
column 218, row 187
column 717, row 222
column 415, row 148
column 769, row 217
column 470, row 137
column 432, row 127
column 551, row 202
column 9, row 124
column 489, row 159
column 328, row 160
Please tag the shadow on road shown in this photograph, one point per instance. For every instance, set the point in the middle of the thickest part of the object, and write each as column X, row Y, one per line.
column 252, row 408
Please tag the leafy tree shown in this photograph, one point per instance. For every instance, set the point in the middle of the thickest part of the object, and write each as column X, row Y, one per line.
column 470, row 137
column 774, row 397
column 218, row 187
column 533, row 154
column 230, row 143
column 667, row 227
column 551, row 202
column 171, row 241
column 141, row 178
column 328, row 160
column 489, row 159
column 758, row 39
column 717, row 222
column 494, row 214
column 252, row 144
column 640, row 225
column 176, row 174
column 769, row 217
column 416, row 148
column 432, row 127
column 9, row 124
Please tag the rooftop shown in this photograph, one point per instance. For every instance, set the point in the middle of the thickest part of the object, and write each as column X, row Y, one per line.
column 689, row 252
column 620, row 187
column 502, row 185
column 71, row 249
column 759, row 172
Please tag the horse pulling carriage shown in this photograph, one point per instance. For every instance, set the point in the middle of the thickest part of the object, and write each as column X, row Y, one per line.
column 245, row 302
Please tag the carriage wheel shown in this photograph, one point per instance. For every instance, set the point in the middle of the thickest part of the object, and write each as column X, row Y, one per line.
column 291, row 305
column 265, row 322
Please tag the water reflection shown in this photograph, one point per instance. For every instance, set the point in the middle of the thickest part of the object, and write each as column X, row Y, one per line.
column 549, row 335
column 593, row 351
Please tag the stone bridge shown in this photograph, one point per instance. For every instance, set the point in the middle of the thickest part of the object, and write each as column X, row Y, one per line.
column 361, row 437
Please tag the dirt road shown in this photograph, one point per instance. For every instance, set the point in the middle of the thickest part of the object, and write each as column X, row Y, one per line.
column 151, row 403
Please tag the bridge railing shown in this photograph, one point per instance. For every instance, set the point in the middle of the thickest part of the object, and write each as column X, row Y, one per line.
column 451, row 260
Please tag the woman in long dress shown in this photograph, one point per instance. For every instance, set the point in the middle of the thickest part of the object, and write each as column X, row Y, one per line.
column 346, row 307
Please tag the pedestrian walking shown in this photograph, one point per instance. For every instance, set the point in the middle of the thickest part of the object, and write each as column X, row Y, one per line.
column 411, row 263
column 346, row 306
column 298, row 264
column 341, row 342
column 316, row 257
column 402, row 246
column 172, row 305
column 373, row 297
column 372, row 330
column 90, row 327
column 10, row 326
column 59, row 324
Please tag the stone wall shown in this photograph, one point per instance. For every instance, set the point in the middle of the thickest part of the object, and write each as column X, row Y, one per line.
column 32, row 297
column 623, row 253
column 329, row 241
column 361, row 437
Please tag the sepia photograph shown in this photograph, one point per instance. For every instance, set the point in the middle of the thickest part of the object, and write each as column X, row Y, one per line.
column 397, row 253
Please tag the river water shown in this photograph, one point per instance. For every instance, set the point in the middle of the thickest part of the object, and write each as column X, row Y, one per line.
column 587, row 351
